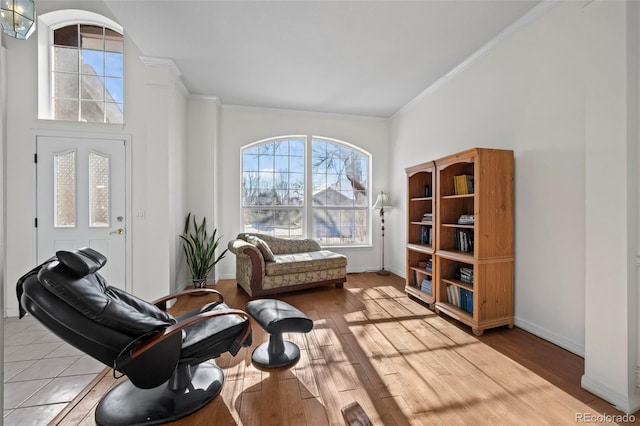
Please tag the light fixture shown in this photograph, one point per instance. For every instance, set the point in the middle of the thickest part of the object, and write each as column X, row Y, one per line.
column 382, row 203
column 18, row 18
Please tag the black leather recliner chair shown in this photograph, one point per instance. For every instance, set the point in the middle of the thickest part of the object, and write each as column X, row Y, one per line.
column 164, row 357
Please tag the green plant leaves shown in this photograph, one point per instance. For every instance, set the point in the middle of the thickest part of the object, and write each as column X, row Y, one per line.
column 200, row 247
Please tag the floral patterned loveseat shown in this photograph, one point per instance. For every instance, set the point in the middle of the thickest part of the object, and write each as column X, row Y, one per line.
column 269, row 265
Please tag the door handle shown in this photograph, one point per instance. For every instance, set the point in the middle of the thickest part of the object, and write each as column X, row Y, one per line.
column 118, row 231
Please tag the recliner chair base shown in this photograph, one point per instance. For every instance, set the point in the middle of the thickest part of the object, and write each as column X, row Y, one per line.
column 128, row 405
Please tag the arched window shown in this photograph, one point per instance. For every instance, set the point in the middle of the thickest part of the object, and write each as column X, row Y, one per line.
column 81, row 68
column 300, row 186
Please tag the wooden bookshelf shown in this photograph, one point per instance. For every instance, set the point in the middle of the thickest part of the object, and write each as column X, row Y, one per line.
column 420, row 231
column 476, row 183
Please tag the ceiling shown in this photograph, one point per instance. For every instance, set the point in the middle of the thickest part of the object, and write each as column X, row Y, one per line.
column 350, row 57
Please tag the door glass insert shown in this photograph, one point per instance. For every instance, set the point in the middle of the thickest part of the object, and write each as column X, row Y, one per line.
column 99, row 191
column 64, row 187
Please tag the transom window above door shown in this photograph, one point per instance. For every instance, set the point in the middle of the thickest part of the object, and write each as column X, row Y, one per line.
column 87, row 74
column 307, row 186
column 80, row 67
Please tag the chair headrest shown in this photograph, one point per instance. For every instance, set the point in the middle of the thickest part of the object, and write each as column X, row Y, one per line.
column 83, row 261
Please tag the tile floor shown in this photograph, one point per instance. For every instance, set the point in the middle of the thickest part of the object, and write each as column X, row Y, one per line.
column 41, row 372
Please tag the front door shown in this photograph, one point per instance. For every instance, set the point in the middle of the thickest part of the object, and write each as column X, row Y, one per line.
column 81, row 193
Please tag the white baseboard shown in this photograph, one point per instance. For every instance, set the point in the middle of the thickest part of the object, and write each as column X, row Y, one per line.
column 549, row 336
column 12, row 312
column 625, row 403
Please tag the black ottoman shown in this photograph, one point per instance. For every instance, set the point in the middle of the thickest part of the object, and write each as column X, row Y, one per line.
column 277, row 317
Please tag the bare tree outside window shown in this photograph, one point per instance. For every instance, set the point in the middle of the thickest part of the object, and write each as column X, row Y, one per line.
column 273, row 190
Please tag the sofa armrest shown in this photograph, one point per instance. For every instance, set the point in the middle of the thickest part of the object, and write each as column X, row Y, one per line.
column 250, row 267
column 239, row 247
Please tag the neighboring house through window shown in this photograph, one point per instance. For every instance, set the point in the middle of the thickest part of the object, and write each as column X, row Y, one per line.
column 81, row 68
column 300, row 186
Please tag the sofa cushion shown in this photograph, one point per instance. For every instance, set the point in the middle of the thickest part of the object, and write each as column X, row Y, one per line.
column 262, row 246
column 305, row 262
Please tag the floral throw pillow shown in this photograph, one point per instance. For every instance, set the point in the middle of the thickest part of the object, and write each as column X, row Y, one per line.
column 263, row 247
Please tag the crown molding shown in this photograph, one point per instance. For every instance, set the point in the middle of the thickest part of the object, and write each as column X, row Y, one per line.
column 151, row 61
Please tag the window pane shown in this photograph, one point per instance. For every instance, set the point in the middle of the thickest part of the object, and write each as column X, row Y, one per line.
column 92, row 62
column 66, row 36
column 91, row 37
column 265, row 162
column 65, row 85
column 114, row 89
column 281, row 147
column 65, row 59
column 92, row 88
column 64, row 187
column 296, row 164
column 281, row 163
column 92, row 111
column 113, row 41
column 66, row 109
column 114, row 113
column 113, row 64
column 296, row 147
column 340, row 226
column 258, row 220
column 99, row 195
column 249, row 162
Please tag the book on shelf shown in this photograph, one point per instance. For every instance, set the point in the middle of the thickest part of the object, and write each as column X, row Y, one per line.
column 427, row 191
column 466, row 275
column 463, row 239
column 429, row 266
column 463, row 184
column 427, row 217
column 426, row 234
column 460, row 298
column 426, row 286
column 465, row 219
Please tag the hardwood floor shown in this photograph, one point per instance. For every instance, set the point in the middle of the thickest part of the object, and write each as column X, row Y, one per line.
column 400, row 361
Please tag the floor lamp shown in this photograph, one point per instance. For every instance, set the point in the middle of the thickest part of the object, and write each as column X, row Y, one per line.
column 382, row 203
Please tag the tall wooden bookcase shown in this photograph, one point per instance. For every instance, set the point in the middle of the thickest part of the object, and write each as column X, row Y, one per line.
column 473, row 227
column 421, row 230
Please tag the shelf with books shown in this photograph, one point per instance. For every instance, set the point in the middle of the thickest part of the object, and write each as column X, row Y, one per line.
column 420, row 282
column 420, row 231
column 475, row 198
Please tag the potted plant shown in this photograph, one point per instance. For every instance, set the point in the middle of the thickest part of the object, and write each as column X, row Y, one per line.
column 199, row 248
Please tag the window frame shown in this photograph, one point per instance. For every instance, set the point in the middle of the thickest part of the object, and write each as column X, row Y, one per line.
column 49, row 22
column 307, row 206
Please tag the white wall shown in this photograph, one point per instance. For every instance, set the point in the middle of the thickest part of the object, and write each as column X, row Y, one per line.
column 202, row 165
column 241, row 126
column 527, row 93
column 611, row 141
column 154, row 118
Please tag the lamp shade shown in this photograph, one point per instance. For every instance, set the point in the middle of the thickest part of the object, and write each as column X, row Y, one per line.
column 382, row 202
column 18, row 18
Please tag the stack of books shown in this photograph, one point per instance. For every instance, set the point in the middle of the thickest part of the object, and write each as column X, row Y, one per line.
column 427, row 217
column 426, row 286
column 429, row 266
column 465, row 219
column 463, row 184
column 466, row 275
